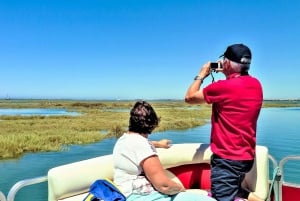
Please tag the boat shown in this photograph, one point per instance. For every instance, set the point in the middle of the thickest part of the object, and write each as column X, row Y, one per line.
column 187, row 163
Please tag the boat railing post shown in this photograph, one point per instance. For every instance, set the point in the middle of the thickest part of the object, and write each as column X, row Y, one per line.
column 275, row 182
column 278, row 179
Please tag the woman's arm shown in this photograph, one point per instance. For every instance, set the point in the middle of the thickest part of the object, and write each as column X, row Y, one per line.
column 154, row 171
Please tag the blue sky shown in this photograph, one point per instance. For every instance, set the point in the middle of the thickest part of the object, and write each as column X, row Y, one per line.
column 138, row 49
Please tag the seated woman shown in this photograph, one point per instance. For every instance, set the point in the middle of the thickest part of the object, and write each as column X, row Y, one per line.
column 138, row 171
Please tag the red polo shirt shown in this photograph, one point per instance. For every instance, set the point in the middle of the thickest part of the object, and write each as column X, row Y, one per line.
column 236, row 103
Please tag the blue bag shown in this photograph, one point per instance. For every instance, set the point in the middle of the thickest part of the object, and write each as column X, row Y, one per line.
column 104, row 190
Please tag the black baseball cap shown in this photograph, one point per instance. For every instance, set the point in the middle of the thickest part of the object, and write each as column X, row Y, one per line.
column 239, row 53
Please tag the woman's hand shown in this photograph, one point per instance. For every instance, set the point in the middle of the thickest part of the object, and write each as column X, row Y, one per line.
column 163, row 143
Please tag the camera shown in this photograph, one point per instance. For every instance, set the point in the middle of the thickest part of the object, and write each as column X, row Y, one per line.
column 215, row 65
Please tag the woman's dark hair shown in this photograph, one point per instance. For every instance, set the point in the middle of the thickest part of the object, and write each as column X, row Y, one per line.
column 143, row 118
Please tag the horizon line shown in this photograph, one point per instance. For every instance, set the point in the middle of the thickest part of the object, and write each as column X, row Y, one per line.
column 130, row 99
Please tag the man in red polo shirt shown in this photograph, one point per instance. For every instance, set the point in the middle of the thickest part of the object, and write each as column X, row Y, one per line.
column 236, row 103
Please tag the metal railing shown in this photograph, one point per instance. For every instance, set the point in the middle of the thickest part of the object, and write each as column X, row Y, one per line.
column 281, row 172
column 277, row 181
column 2, row 197
column 26, row 182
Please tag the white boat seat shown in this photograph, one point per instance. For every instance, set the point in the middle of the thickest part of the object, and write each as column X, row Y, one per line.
column 71, row 182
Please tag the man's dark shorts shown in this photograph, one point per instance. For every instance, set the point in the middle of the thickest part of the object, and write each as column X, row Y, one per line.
column 227, row 176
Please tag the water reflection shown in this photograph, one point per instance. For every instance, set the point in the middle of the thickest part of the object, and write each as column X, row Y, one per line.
column 36, row 111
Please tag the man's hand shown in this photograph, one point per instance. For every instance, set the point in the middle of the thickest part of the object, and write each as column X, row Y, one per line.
column 205, row 70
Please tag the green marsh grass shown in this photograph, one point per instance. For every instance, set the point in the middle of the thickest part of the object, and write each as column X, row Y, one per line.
column 98, row 120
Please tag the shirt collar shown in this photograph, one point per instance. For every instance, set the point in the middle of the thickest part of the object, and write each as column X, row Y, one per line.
column 233, row 75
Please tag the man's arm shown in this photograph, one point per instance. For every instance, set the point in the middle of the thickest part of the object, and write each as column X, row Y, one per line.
column 194, row 94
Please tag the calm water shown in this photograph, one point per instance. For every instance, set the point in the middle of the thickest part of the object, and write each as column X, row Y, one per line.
column 278, row 128
column 35, row 111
